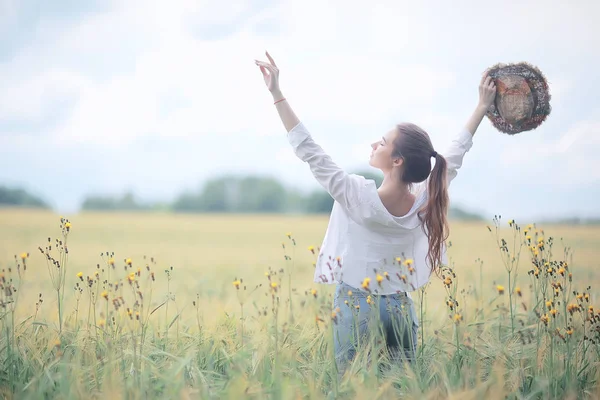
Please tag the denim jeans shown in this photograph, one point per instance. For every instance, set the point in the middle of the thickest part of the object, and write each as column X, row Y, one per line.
column 393, row 315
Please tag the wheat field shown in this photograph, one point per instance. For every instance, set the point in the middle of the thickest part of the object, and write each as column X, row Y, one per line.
column 224, row 306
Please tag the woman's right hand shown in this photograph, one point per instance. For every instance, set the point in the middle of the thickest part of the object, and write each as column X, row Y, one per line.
column 272, row 77
column 487, row 91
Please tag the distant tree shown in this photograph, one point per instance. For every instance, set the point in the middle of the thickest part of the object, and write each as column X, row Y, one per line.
column 214, row 196
column 20, row 197
column 255, row 194
column 228, row 193
column 463, row 215
column 106, row 203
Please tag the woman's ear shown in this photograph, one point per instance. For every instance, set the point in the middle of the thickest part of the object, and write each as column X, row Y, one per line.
column 398, row 162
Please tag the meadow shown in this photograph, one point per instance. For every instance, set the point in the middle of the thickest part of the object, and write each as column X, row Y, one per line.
column 224, row 306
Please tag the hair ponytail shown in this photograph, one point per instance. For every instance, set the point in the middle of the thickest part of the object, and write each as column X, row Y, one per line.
column 435, row 219
column 414, row 146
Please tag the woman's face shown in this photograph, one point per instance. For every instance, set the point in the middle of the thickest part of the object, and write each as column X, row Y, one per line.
column 382, row 149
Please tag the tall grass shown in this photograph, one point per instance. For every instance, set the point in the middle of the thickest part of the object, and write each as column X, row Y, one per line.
column 533, row 334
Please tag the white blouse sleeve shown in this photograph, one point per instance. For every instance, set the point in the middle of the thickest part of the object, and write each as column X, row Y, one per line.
column 345, row 188
column 456, row 151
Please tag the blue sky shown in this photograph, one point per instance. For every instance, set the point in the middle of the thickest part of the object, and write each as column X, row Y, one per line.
column 156, row 97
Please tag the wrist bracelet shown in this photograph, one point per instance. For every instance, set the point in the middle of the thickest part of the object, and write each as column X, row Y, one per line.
column 279, row 100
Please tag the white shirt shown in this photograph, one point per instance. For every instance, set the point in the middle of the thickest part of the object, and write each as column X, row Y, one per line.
column 363, row 239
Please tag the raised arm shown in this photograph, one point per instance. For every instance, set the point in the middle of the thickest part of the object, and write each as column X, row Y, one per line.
column 487, row 94
column 343, row 187
column 462, row 143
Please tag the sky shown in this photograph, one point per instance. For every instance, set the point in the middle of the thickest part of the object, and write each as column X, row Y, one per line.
column 104, row 97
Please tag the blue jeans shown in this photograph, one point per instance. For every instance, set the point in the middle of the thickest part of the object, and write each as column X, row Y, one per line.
column 393, row 315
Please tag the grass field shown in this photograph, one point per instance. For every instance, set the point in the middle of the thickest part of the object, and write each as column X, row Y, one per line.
column 198, row 336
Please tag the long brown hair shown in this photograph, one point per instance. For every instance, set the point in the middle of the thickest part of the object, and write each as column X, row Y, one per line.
column 414, row 146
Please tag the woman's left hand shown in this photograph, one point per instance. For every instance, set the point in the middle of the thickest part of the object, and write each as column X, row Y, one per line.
column 487, row 91
column 270, row 73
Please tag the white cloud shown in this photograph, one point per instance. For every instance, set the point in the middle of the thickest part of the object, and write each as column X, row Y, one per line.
column 184, row 71
column 568, row 160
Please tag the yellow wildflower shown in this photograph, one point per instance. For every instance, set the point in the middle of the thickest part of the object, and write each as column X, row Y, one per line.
column 128, row 261
column 289, row 235
column 349, row 292
column 101, row 323
column 68, row 225
column 398, row 260
column 111, row 261
column 544, row 318
column 450, row 304
column 573, row 307
column 314, row 292
column 105, row 294
column 448, row 281
column 549, row 304
column 554, row 311
column 457, row 318
column 369, row 299
column 80, row 275
column 237, row 283
column 500, row 289
column 569, row 331
column 411, row 270
column 311, row 249
column 379, row 279
column 366, row 283
column 408, row 262
column 518, row 291
column 24, row 256
column 274, row 285
column 510, row 222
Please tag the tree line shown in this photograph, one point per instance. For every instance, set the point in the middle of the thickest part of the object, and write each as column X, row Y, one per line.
column 230, row 194
column 222, row 194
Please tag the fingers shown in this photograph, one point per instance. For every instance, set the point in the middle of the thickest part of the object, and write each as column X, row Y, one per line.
column 484, row 76
column 270, row 58
column 268, row 66
column 264, row 71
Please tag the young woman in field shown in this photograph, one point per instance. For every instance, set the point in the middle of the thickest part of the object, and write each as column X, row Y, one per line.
column 381, row 243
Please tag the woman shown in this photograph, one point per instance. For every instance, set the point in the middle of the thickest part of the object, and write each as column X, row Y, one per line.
column 381, row 243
